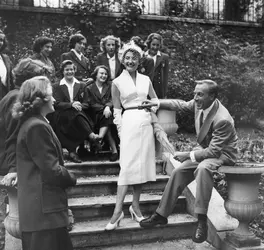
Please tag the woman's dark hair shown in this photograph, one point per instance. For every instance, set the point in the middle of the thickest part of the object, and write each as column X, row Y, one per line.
column 40, row 42
column 64, row 64
column 32, row 95
column 153, row 36
column 95, row 72
column 76, row 38
column 4, row 42
column 28, row 68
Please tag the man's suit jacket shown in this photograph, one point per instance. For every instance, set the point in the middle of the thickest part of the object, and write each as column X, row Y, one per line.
column 42, row 177
column 4, row 89
column 217, row 137
column 102, row 59
column 82, row 66
column 9, row 128
column 160, row 79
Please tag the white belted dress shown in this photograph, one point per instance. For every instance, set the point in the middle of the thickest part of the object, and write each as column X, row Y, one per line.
column 137, row 146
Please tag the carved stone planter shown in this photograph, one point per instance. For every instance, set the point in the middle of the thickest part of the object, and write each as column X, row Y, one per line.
column 167, row 120
column 243, row 203
column 11, row 222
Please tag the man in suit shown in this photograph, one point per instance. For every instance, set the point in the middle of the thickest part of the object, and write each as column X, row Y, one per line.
column 77, row 45
column 217, row 139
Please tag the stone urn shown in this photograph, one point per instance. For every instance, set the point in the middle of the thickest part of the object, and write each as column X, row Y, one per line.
column 11, row 221
column 243, row 203
column 167, row 119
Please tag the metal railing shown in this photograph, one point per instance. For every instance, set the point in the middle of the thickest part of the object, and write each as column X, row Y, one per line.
column 229, row 10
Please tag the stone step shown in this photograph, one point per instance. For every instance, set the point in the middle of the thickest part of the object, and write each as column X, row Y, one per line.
column 84, row 208
column 182, row 244
column 107, row 185
column 102, row 167
column 92, row 234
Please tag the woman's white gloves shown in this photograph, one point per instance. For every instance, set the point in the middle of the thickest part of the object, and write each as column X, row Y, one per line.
column 156, row 101
column 118, row 120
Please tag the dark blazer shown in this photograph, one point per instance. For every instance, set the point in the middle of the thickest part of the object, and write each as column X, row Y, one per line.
column 4, row 89
column 98, row 101
column 9, row 128
column 217, row 137
column 102, row 59
column 65, row 114
column 83, row 67
column 160, row 79
column 42, row 178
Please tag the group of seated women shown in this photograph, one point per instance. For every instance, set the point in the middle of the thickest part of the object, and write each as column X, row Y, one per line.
column 83, row 118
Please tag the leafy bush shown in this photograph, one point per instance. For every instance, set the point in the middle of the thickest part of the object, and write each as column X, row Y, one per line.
column 60, row 37
column 197, row 53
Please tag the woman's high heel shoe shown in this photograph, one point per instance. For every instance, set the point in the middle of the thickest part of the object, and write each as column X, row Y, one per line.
column 111, row 226
column 133, row 214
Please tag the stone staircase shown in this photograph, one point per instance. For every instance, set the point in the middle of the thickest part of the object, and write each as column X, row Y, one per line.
column 92, row 202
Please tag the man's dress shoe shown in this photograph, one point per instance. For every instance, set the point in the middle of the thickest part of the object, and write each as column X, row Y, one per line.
column 154, row 220
column 200, row 234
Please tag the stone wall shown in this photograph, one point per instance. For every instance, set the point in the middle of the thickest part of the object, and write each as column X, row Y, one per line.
column 31, row 22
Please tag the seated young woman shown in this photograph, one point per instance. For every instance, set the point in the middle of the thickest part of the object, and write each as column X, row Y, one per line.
column 100, row 101
column 72, row 122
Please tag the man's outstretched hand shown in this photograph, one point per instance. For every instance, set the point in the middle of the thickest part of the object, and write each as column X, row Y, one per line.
column 181, row 156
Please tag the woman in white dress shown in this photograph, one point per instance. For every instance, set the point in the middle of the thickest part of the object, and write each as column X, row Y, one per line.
column 137, row 147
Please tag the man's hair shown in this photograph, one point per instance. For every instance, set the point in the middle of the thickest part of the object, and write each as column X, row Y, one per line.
column 76, row 38
column 212, row 86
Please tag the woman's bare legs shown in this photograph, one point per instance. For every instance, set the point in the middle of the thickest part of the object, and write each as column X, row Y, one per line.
column 111, row 142
column 102, row 132
column 121, row 193
column 136, row 197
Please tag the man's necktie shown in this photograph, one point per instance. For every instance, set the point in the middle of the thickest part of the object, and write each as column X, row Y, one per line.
column 201, row 119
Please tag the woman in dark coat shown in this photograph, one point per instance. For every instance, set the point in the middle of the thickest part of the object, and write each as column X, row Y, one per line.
column 100, row 101
column 72, row 123
column 42, row 49
column 77, row 45
column 9, row 127
column 42, row 178
column 109, row 46
column 154, row 43
column 6, row 82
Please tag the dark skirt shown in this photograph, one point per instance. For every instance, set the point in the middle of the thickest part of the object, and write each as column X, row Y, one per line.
column 53, row 239
column 72, row 127
column 102, row 121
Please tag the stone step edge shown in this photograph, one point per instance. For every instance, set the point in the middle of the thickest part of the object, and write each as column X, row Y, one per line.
column 105, row 179
column 98, row 226
column 100, row 201
column 182, row 244
column 97, row 163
